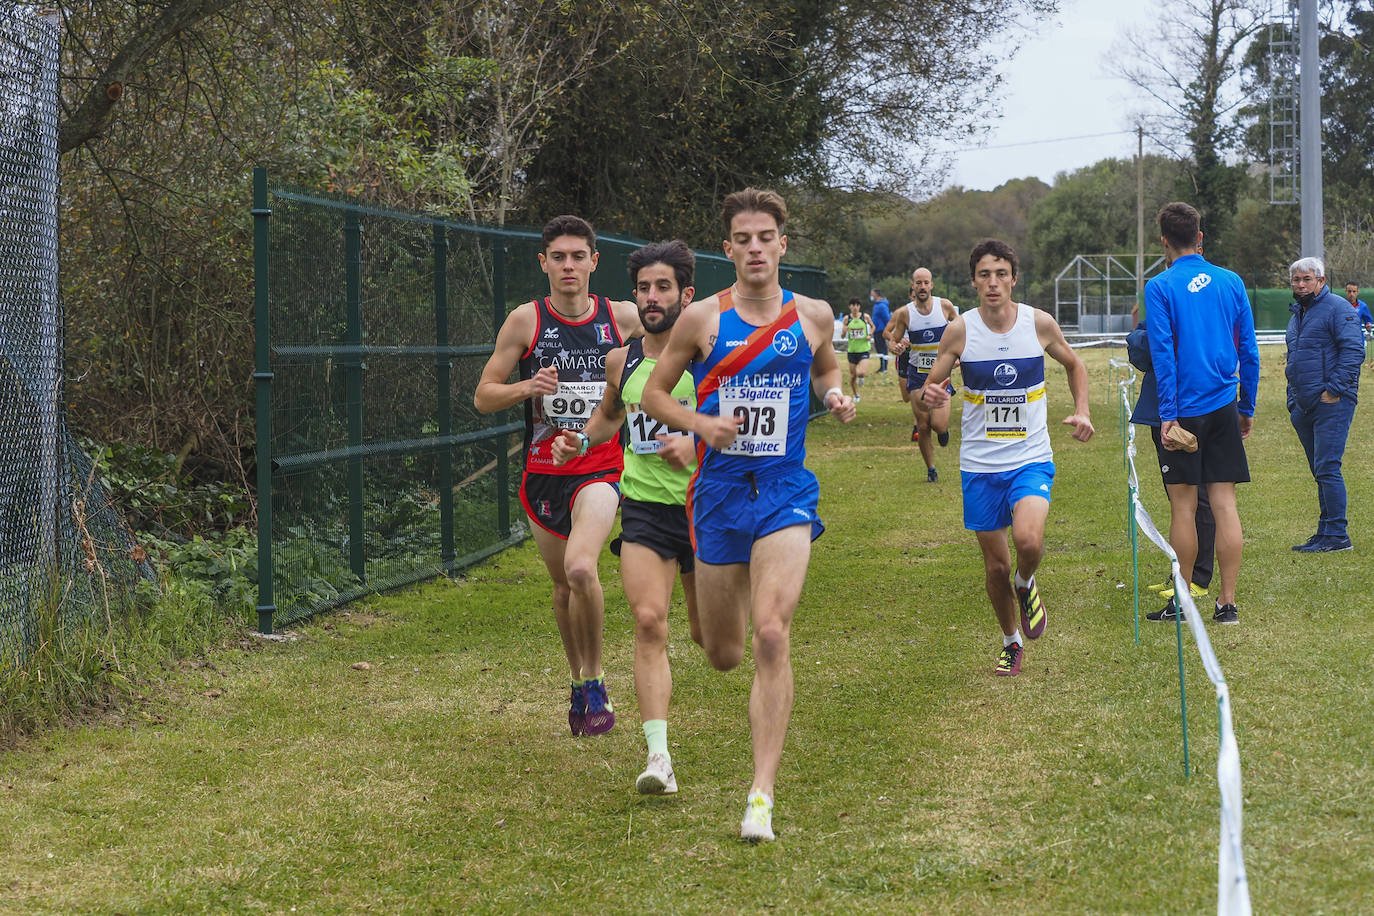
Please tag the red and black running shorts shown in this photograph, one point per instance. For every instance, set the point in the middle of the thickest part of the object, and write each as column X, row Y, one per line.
column 548, row 498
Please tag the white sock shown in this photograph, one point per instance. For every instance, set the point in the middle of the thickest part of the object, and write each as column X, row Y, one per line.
column 1013, row 638
column 1023, row 583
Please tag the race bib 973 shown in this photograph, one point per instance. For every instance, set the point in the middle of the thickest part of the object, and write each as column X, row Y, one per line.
column 762, row 415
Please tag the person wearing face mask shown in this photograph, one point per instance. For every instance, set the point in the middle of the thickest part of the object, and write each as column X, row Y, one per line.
column 1325, row 351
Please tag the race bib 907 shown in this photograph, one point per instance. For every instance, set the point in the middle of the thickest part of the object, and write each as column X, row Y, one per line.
column 571, row 406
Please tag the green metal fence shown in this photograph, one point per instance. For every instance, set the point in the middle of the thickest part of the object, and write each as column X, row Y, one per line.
column 374, row 468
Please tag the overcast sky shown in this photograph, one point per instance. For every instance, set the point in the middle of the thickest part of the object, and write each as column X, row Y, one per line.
column 1057, row 87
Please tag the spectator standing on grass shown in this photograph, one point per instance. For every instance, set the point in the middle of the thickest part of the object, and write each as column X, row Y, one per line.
column 882, row 314
column 1146, row 413
column 1202, row 345
column 1352, row 295
column 1325, row 350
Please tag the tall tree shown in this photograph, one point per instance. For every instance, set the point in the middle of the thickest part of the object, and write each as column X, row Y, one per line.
column 819, row 94
column 1189, row 63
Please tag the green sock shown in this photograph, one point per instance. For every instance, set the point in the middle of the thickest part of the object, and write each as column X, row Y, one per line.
column 656, row 733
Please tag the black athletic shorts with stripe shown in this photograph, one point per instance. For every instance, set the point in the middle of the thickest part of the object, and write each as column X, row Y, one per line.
column 1220, row 455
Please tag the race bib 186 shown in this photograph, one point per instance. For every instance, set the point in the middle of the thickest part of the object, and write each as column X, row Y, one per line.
column 925, row 360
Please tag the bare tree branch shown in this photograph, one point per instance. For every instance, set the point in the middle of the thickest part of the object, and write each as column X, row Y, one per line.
column 92, row 115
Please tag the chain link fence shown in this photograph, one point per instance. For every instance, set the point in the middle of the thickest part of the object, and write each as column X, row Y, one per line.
column 65, row 554
column 374, row 468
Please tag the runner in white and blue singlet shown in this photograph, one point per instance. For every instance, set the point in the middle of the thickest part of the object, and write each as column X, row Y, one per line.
column 1005, row 460
column 916, row 331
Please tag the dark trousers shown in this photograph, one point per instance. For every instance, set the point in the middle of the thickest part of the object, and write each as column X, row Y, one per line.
column 1322, row 432
column 1206, row 540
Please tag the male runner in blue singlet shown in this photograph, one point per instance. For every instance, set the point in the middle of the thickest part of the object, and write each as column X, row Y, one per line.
column 1005, row 461
column 756, row 352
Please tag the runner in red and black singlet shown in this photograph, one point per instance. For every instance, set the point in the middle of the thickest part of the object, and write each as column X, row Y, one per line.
column 559, row 345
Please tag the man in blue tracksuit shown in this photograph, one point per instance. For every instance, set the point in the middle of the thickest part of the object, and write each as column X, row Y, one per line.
column 1202, row 343
column 882, row 314
column 1325, row 351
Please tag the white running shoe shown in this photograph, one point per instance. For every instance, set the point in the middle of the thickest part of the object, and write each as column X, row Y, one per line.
column 657, row 778
column 757, row 826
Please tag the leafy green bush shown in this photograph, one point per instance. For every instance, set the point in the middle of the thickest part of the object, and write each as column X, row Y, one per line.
column 155, row 492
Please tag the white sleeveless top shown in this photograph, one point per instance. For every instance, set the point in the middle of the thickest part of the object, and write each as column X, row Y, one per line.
column 1004, row 424
column 923, row 332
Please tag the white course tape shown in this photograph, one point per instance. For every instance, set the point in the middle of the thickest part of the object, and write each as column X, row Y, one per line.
column 1233, row 891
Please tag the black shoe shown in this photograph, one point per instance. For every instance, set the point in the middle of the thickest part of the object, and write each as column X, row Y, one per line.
column 1226, row 613
column 915, row 433
column 942, row 438
column 1169, row 613
column 932, row 475
column 1306, row 546
column 1330, row 544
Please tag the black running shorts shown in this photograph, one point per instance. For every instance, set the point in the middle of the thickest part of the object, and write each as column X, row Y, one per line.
column 660, row 527
column 1220, row 455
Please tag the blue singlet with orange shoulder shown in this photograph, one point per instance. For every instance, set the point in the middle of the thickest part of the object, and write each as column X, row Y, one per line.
column 762, row 376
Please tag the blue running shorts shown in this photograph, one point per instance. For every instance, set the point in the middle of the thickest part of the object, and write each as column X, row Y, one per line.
column 989, row 498
column 729, row 514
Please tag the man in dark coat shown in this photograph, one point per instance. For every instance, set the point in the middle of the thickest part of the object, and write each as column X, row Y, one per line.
column 1325, row 351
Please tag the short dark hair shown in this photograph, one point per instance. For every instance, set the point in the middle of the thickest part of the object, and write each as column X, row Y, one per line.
column 1179, row 224
column 675, row 254
column 568, row 224
column 995, row 247
column 754, row 200
column 855, row 300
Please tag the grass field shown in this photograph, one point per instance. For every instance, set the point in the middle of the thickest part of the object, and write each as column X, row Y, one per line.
column 278, row 778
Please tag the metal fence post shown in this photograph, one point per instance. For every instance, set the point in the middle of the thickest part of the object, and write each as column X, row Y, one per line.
column 262, row 382
column 498, row 316
column 357, row 556
column 443, row 367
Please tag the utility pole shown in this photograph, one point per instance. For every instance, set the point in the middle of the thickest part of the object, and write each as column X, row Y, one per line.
column 1139, row 214
column 1310, row 130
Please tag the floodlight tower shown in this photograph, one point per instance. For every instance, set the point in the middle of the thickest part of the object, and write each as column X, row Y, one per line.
column 1310, row 129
